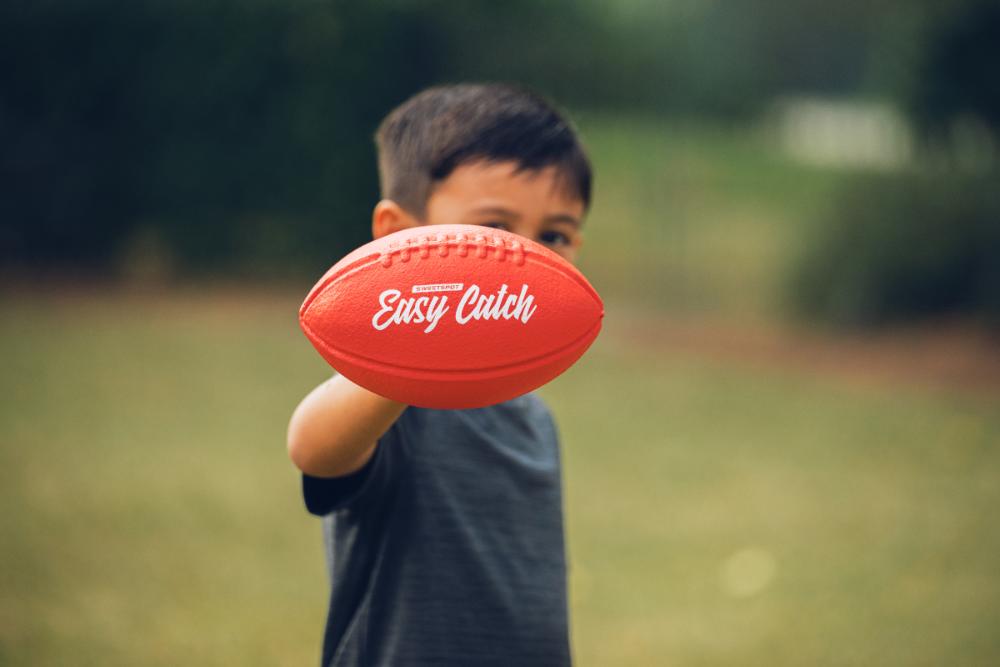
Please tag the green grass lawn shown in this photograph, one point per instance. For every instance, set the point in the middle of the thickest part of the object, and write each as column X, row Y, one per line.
column 717, row 514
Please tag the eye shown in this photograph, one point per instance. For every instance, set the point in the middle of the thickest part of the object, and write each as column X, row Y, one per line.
column 496, row 225
column 554, row 238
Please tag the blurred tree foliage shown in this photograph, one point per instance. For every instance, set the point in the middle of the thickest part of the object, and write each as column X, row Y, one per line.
column 224, row 135
column 925, row 242
column 957, row 73
column 236, row 134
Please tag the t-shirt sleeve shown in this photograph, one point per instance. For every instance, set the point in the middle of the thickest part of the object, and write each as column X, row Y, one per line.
column 323, row 495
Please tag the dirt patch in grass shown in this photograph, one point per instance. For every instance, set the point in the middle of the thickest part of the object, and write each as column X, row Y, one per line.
column 951, row 356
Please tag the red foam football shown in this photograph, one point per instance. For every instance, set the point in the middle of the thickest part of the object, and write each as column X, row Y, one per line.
column 452, row 316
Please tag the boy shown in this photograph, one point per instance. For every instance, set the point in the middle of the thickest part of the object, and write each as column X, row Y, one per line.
column 443, row 528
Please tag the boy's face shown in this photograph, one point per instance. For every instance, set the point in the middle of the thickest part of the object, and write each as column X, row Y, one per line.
column 532, row 204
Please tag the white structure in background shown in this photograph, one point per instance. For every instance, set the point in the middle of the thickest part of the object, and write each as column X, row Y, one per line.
column 843, row 133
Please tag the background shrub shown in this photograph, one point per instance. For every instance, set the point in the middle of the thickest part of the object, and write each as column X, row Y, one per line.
column 916, row 245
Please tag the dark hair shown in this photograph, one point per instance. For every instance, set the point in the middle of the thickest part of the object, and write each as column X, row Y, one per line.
column 424, row 139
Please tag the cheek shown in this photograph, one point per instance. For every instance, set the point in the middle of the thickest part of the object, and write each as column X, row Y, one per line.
column 566, row 252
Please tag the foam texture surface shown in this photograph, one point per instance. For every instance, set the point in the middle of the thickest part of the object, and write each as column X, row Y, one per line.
column 452, row 316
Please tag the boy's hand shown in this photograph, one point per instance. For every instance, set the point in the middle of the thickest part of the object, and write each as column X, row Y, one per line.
column 334, row 430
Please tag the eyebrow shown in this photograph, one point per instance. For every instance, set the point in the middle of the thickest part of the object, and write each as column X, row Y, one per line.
column 500, row 210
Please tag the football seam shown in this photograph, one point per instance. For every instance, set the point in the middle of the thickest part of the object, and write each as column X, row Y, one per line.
column 442, row 242
column 483, row 243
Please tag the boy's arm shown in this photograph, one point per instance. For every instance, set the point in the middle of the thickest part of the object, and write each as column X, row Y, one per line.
column 333, row 431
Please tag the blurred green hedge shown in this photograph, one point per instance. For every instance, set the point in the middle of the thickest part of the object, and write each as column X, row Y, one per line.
column 218, row 135
column 917, row 245
column 235, row 135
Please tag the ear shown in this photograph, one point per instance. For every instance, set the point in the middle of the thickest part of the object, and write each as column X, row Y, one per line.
column 389, row 217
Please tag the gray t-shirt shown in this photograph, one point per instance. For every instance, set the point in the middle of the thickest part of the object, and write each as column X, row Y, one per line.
column 447, row 547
